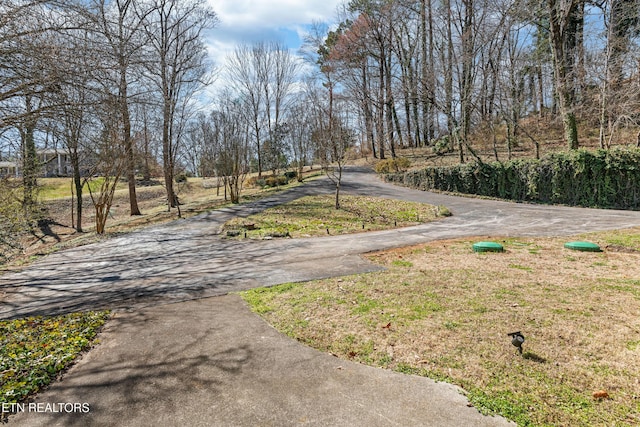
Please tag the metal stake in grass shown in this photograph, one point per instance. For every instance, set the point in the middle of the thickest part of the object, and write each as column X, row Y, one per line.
column 517, row 339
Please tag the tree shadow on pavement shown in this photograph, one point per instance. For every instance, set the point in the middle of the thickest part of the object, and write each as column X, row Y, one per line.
column 134, row 372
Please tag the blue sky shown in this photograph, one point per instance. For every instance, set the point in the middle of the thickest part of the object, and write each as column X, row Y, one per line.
column 247, row 21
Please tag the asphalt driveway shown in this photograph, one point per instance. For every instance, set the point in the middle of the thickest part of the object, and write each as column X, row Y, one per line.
column 189, row 259
column 179, row 353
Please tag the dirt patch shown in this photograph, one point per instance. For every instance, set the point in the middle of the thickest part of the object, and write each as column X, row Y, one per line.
column 620, row 248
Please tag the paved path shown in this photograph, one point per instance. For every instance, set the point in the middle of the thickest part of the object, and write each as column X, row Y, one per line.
column 174, row 357
column 189, row 259
column 211, row 362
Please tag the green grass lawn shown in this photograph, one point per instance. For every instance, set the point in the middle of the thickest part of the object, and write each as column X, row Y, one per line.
column 57, row 188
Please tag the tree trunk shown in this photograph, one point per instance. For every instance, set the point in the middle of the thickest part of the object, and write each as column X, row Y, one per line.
column 428, row 78
column 467, row 73
column 564, row 87
column 128, row 144
column 389, row 108
column 366, row 107
column 77, row 182
column 448, row 75
column 29, row 158
column 380, row 106
column 540, row 90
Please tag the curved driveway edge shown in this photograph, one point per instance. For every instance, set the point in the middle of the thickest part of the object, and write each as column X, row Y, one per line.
column 188, row 259
column 212, row 362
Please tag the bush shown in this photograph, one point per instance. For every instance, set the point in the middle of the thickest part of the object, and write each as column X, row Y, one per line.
column 399, row 164
column 180, row 178
column 442, row 146
column 291, row 175
column 254, row 181
column 275, row 181
column 601, row 178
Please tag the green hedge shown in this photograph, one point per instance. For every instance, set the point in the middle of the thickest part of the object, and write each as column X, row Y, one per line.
column 601, row 178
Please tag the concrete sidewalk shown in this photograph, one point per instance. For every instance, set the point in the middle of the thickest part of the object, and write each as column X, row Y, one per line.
column 212, row 362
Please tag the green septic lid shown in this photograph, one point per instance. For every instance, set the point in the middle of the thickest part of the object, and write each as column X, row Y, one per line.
column 487, row 247
column 583, row 246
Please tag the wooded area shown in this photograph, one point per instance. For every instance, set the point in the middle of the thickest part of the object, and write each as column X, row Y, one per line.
column 119, row 85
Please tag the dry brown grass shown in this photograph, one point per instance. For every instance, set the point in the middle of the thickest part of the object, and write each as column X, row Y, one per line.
column 547, row 133
column 197, row 195
column 313, row 216
column 443, row 311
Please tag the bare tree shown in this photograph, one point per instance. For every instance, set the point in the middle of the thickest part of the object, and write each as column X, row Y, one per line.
column 26, row 78
column 177, row 66
column 331, row 138
column 120, row 39
column 562, row 31
column 74, row 116
column 111, row 161
column 243, row 70
column 232, row 137
column 617, row 102
column 300, row 125
column 263, row 75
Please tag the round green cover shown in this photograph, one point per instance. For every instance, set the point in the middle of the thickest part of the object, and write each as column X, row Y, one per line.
column 583, row 246
column 487, row 247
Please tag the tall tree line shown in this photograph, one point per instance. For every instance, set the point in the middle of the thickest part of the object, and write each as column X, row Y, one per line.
column 424, row 70
column 93, row 78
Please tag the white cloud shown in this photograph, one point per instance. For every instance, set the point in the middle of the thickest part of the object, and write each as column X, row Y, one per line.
column 247, row 21
column 252, row 14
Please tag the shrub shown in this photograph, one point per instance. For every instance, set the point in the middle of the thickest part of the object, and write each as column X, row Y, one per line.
column 399, row 164
column 274, row 181
column 601, row 178
column 180, row 178
column 442, row 146
column 254, row 181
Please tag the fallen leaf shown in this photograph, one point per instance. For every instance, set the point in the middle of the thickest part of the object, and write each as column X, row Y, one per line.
column 600, row 394
column 388, row 326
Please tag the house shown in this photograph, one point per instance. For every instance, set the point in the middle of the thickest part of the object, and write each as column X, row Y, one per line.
column 58, row 163
column 9, row 169
column 52, row 163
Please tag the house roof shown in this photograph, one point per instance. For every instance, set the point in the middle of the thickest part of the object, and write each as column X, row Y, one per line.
column 47, row 151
